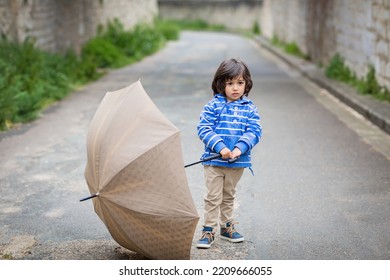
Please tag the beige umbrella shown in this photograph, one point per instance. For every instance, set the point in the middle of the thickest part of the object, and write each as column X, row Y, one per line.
column 136, row 173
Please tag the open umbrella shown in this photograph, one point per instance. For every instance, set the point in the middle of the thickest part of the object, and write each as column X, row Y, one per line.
column 135, row 173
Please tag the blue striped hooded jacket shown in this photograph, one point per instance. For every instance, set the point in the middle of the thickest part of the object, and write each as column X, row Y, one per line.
column 229, row 124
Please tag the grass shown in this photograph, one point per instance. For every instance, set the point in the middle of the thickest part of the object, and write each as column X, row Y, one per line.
column 196, row 24
column 31, row 79
column 338, row 70
column 290, row 48
column 7, row 257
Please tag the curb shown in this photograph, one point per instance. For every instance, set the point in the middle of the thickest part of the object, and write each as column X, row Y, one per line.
column 373, row 110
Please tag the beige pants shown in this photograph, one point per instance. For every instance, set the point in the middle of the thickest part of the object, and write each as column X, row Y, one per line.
column 221, row 185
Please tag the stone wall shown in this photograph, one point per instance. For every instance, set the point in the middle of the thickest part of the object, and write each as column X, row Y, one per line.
column 232, row 14
column 57, row 25
column 359, row 30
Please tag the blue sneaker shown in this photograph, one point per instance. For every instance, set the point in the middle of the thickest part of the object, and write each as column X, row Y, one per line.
column 229, row 233
column 207, row 238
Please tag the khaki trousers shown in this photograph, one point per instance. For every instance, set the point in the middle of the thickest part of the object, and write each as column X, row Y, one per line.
column 221, row 185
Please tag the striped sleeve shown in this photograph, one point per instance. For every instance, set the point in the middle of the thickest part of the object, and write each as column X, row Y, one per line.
column 252, row 134
column 206, row 127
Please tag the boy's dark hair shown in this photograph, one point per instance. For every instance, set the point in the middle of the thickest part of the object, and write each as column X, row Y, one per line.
column 230, row 69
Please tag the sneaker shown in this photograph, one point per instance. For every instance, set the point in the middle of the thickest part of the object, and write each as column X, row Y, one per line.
column 229, row 233
column 207, row 238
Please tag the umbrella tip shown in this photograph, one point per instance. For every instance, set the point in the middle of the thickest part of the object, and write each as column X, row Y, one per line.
column 89, row 197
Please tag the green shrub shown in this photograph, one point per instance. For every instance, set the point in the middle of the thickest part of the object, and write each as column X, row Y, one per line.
column 146, row 40
column 116, row 47
column 196, row 24
column 292, row 48
column 31, row 79
column 120, row 38
column 338, row 70
column 276, row 41
column 256, row 28
column 103, row 53
column 368, row 85
column 80, row 70
column 169, row 29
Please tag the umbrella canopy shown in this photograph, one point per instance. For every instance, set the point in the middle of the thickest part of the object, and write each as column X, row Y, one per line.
column 135, row 168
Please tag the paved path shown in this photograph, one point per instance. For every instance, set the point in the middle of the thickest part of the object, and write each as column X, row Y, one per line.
column 320, row 190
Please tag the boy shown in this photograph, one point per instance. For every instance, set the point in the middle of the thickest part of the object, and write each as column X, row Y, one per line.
column 230, row 126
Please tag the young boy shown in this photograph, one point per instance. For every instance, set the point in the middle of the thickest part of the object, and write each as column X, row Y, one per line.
column 229, row 125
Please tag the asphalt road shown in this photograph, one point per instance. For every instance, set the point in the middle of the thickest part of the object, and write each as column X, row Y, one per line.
column 320, row 190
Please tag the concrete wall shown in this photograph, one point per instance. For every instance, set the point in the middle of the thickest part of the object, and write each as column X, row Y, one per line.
column 359, row 30
column 233, row 14
column 57, row 25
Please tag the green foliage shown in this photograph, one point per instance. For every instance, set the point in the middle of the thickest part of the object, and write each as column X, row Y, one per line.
column 116, row 47
column 148, row 41
column 338, row 70
column 169, row 29
column 7, row 256
column 196, row 24
column 290, row 48
column 276, row 41
column 81, row 70
column 256, row 28
column 369, row 84
column 31, row 79
column 103, row 53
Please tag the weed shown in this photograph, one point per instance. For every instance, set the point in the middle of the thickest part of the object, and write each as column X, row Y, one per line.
column 256, row 28
column 197, row 24
column 169, row 29
column 7, row 257
column 338, row 70
column 29, row 79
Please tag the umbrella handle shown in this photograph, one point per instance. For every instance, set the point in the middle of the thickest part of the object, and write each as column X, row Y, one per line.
column 89, row 197
column 211, row 158
column 231, row 160
column 203, row 160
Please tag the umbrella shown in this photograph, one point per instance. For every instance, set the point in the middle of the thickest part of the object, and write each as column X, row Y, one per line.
column 135, row 173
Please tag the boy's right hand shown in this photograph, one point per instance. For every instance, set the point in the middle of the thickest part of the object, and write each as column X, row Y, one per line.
column 225, row 153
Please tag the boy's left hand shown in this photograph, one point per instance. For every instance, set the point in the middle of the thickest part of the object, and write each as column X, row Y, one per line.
column 235, row 153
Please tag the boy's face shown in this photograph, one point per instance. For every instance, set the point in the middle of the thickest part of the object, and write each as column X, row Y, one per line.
column 234, row 88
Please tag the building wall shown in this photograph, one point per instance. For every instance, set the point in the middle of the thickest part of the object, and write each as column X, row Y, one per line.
column 233, row 14
column 56, row 25
column 359, row 30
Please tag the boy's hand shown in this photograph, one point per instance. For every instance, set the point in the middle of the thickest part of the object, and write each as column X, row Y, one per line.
column 225, row 153
column 235, row 153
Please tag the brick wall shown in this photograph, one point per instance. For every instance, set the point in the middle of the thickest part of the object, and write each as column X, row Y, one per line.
column 57, row 25
column 359, row 30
